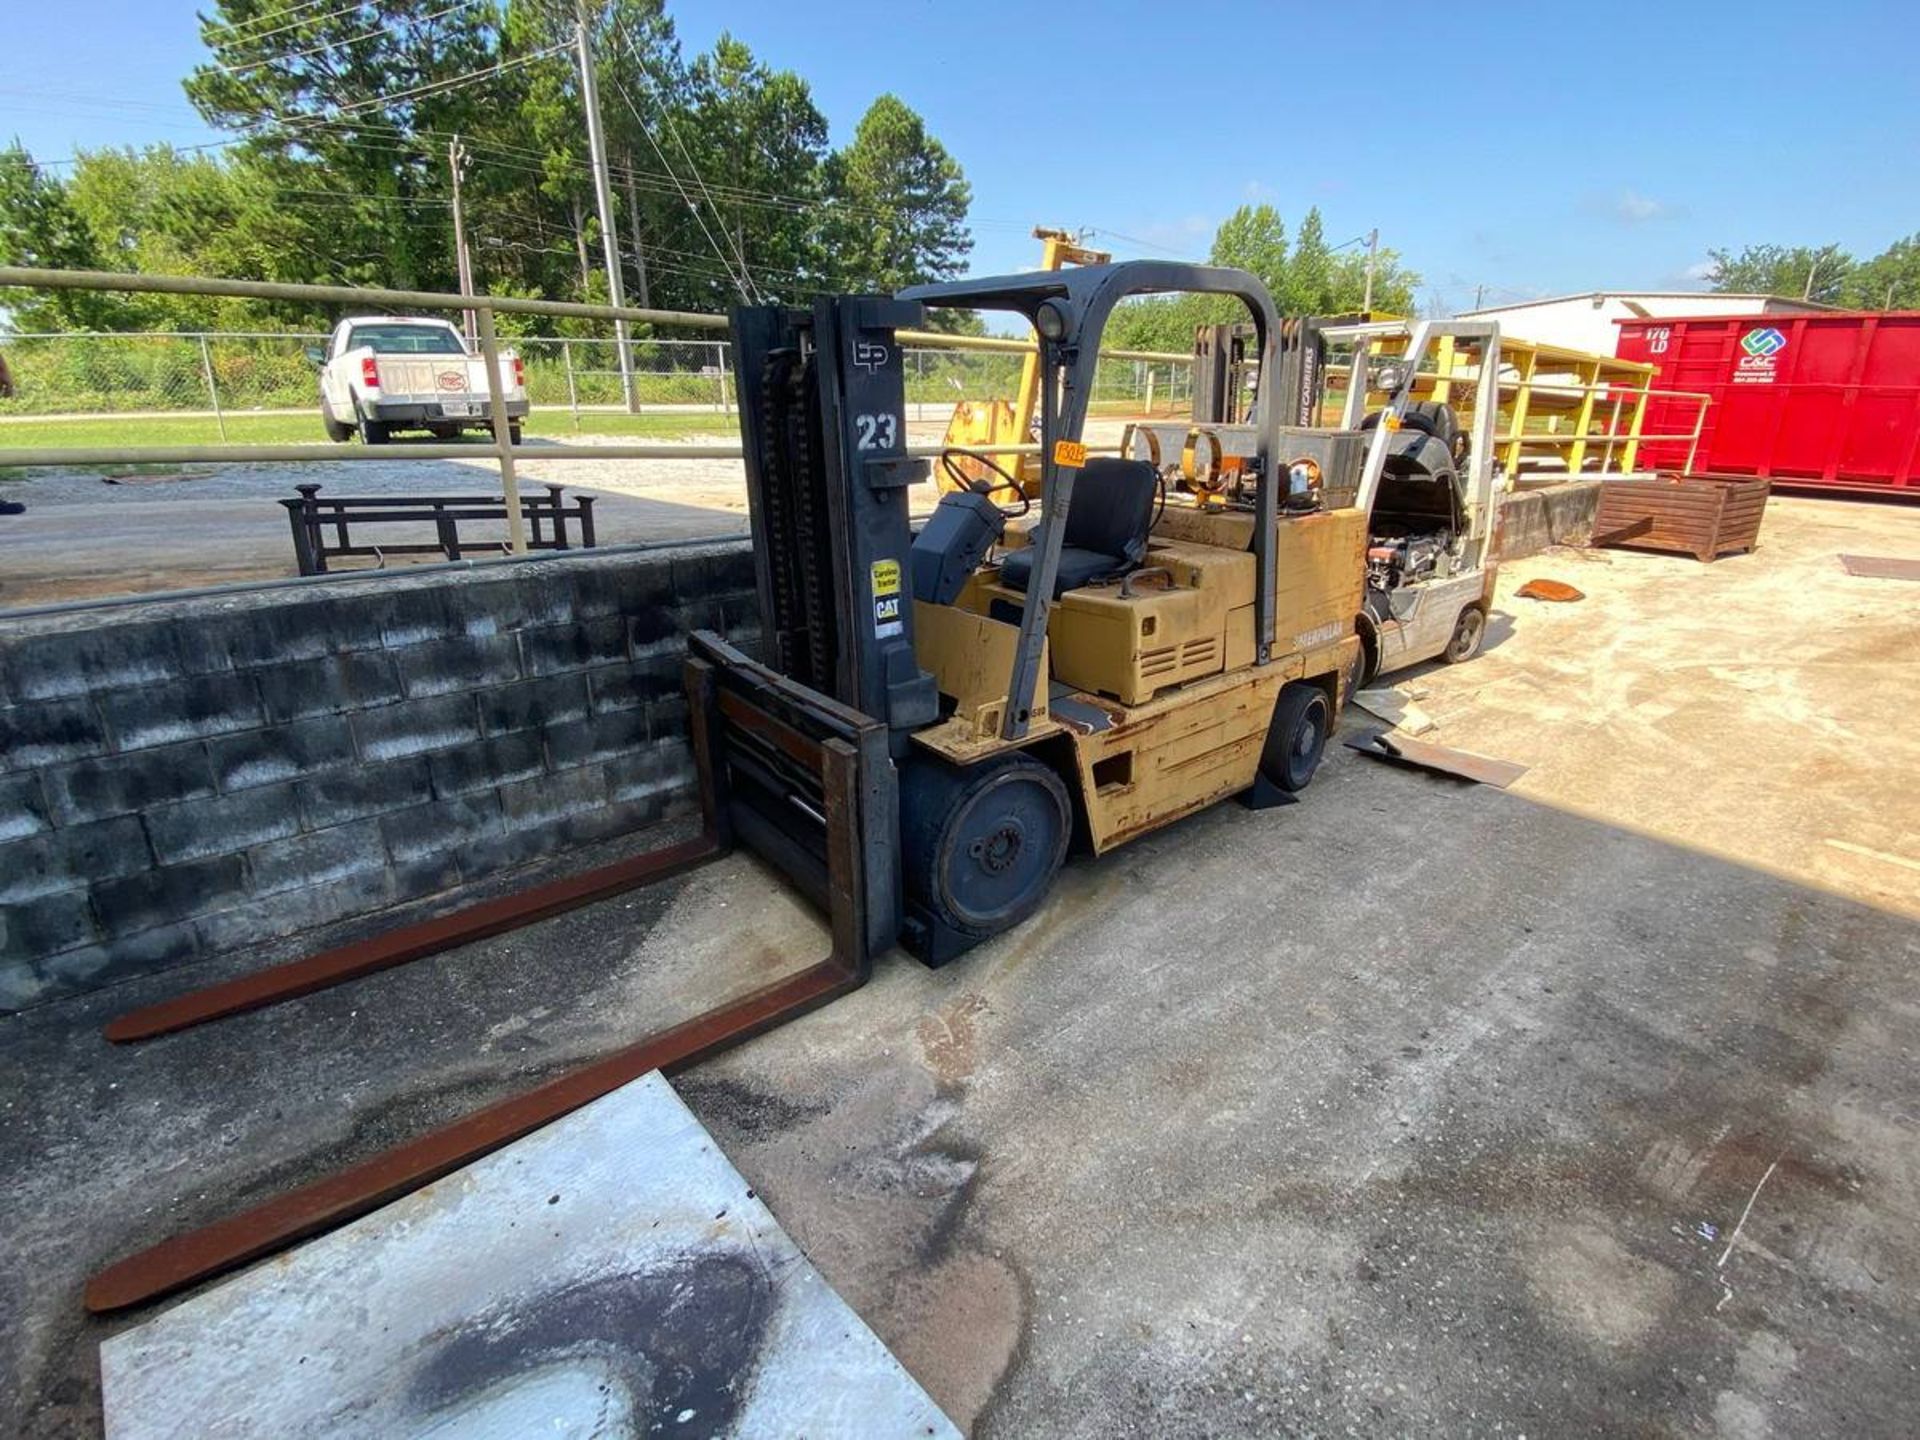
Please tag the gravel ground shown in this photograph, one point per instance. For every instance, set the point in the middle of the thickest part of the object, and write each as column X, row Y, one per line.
column 84, row 536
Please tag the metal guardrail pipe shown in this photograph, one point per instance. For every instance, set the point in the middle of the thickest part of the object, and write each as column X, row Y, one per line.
column 26, row 278
column 57, row 455
column 37, row 279
column 935, row 339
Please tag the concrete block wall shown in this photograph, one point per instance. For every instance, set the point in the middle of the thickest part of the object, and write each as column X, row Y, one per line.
column 180, row 778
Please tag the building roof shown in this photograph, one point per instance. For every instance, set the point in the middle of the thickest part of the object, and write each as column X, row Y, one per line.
column 1628, row 296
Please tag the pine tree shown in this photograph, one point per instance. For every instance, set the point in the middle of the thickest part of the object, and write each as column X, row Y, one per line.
column 901, row 204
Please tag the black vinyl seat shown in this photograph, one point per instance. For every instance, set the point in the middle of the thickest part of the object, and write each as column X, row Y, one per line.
column 1430, row 442
column 1107, row 527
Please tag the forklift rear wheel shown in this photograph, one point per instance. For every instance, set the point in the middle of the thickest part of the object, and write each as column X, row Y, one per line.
column 1297, row 737
column 1468, row 631
column 981, row 846
column 1368, row 668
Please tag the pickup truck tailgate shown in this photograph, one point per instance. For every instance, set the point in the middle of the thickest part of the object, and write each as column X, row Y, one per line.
column 441, row 378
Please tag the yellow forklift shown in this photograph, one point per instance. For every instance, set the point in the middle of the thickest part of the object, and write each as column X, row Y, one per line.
column 1106, row 660
column 934, row 715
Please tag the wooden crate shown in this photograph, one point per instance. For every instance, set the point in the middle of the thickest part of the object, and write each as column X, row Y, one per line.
column 1705, row 516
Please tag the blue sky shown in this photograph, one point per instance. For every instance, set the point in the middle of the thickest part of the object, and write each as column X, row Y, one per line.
column 1528, row 149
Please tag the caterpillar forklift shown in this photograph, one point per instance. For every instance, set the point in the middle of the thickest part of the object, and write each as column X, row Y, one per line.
column 934, row 716
column 1104, row 662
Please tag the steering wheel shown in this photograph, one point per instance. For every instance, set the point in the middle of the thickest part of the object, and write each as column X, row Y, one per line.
column 986, row 487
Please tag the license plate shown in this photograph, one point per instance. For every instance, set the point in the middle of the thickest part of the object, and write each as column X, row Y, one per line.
column 457, row 407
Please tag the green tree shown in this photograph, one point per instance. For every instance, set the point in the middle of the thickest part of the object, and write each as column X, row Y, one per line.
column 346, row 108
column 741, row 168
column 1312, row 272
column 900, row 204
column 1889, row 281
column 159, row 211
column 1394, row 286
column 1307, row 279
column 1793, row 270
column 40, row 228
column 1254, row 238
column 531, row 193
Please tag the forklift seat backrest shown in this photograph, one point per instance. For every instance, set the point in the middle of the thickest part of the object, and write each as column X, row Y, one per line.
column 1430, row 417
column 1107, row 526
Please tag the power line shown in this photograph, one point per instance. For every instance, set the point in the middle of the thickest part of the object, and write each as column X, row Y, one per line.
column 415, row 20
column 666, row 114
column 1091, row 231
column 416, row 92
column 250, row 36
column 743, row 282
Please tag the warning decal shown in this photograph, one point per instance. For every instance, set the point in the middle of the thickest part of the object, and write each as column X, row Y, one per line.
column 886, row 599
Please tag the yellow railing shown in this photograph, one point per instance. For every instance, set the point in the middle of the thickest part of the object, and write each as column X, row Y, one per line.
column 1561, row 410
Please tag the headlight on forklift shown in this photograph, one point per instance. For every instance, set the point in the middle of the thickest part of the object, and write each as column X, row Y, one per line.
column 1050, row 320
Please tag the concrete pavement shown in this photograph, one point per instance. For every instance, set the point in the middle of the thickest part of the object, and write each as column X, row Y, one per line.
column 1413, row 1108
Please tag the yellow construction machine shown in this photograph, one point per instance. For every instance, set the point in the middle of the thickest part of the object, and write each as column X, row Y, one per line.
column 933, row 716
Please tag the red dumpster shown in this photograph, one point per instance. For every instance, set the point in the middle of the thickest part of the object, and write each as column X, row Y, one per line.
column 1829, row 400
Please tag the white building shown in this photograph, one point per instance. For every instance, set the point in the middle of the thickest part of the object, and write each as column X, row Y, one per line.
column 1586, row 322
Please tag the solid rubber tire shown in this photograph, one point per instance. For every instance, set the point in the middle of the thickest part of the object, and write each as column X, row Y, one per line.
column 962, row 831
column 1468, row 631
column 1297, row 736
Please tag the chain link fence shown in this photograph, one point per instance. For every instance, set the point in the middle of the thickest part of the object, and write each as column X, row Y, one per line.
column 151, row 374
column 214, row 374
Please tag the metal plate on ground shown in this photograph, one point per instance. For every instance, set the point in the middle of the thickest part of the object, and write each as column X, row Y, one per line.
column 1881, row 567
column 1400, row 749
column 609, row 1275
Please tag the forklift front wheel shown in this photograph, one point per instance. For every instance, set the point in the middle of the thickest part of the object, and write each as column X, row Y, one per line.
column 1297, row 736
column 1468, row 631
column 981, row 846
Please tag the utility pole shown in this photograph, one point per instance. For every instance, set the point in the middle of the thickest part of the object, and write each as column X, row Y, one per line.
column 457, row 164
column 1478, row 292
column 603, row 195
column 1373, row 248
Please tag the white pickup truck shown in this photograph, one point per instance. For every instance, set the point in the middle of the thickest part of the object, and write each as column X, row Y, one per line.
column 382, row 373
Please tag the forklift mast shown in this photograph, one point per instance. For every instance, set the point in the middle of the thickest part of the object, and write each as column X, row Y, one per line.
column 1226, row 360
column 823, row 426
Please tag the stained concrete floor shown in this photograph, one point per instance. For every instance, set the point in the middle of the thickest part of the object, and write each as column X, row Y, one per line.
column 1413, row 1108
column 1761, row 707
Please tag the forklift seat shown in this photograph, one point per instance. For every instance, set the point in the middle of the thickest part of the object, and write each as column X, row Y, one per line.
column 1107, row 526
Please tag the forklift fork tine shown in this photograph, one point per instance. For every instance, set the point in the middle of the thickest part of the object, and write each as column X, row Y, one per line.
column 476, row 922
column 263, row 1229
